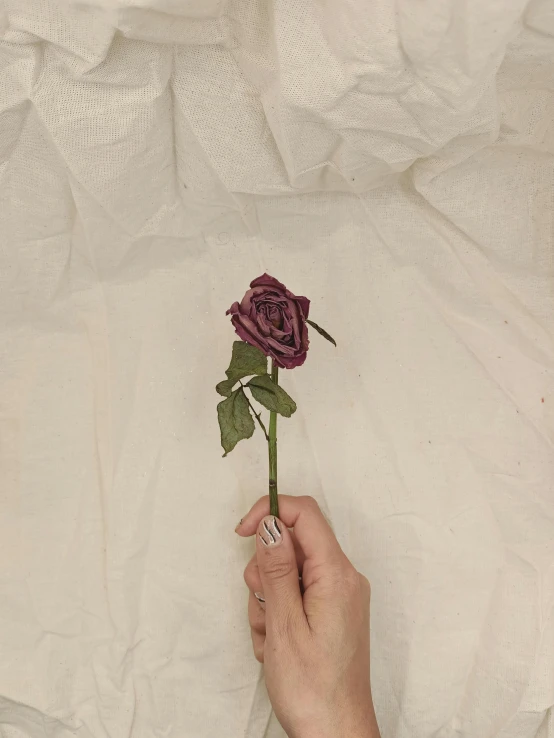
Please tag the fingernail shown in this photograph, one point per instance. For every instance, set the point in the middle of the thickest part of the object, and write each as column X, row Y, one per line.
column 238, row 526
column 261, row 599
column 269, row 531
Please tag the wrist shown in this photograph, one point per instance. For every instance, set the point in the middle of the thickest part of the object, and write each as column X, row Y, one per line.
column 350, row 725
column 342, row 732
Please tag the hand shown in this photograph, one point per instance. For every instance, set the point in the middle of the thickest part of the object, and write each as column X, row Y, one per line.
column 311, row 634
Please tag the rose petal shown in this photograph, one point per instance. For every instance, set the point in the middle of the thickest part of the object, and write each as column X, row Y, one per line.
column 287, row 325
column 304, row 340
column 285, row 337
column 280, row 348
column 263, row 326
column 246, row 330
column 245, row 303
column 233, row 309
column 267, row 280
column 252, row 297
column 294, row 361
column 304, row 305
column 295, row 322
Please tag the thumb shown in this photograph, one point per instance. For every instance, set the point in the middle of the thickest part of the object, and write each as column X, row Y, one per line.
column 279, row 574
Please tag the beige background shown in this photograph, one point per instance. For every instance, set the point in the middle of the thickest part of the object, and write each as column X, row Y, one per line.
column 394, row 163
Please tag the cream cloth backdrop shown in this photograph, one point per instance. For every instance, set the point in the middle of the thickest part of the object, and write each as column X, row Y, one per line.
column 394, row 162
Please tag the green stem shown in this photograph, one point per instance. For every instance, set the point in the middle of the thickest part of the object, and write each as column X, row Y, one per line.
column 272, row 445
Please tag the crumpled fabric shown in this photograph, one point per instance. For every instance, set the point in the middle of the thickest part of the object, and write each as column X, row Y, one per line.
column 394, row 163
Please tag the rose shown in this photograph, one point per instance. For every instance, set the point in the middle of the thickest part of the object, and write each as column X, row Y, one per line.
column 270, row 321
column 271, row 318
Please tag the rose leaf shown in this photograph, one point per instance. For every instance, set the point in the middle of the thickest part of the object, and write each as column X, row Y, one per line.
column 321, row 332
column 235, row 420
column 225, row 388
column 271, row 395
column 245, row 361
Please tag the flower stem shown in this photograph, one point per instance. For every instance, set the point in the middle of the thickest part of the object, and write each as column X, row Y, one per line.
column 272, row 445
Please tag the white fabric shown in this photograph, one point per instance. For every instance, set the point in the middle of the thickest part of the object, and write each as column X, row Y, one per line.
column 394, row 162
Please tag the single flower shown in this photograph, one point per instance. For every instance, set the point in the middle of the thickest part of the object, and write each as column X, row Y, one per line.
column 274, row 320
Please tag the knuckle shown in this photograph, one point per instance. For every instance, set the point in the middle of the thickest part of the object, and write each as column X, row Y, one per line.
column 284, row 630
column 365, row 585
column 256, row 619
column 258, row 643
column 309, row 503
column 351, row 579
column 356, row 585
column 258, row 628
column 250, row 574
column 277, row 567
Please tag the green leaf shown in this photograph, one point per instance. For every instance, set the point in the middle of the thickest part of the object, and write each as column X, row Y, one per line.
column 271, row 395
column 235, row 420
column 245, row 361
column 322, row 332
column 225, row 388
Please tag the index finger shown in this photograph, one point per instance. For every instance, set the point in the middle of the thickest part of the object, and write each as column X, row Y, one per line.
column 311, row 529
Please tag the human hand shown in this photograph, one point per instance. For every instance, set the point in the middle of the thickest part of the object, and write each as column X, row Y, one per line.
column 311, row 634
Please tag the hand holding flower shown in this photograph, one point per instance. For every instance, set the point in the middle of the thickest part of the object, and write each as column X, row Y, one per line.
column 313, row 640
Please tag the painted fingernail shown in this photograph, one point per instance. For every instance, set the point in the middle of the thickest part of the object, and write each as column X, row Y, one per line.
column 269, row 531
column 261, row 599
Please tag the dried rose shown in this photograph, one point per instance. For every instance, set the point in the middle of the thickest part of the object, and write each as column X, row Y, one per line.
column 271, row 318
column 273, row 322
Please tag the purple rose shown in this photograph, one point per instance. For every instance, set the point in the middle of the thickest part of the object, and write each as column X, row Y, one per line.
column 274, row 320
